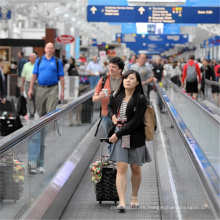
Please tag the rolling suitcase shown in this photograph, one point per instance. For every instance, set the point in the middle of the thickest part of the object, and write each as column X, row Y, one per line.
column 9, row 120
column 12, row 178
column 105, row 189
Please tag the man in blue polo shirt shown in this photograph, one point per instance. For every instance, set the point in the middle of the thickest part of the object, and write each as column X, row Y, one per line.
column 49, row 71
column 48, row 74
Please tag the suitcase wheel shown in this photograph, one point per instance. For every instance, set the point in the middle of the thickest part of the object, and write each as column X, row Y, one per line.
column 100, row 202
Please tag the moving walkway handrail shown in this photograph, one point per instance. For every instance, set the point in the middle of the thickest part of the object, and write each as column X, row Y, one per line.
column 205, row 170
column 207, row 111
column 212, row 82
column 19, row 135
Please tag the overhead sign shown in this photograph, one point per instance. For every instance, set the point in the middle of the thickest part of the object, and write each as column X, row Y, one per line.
column 151, row 29
column 211, row 42
column 153, row 14
column 5, row 14
column 150, row 47
column 94, row 42
column 65, row 39
column 152, row 38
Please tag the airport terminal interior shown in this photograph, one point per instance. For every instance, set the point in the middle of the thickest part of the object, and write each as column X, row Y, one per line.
column 56, row 165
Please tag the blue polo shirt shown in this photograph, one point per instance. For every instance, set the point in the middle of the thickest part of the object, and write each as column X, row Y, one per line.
column 46, row 72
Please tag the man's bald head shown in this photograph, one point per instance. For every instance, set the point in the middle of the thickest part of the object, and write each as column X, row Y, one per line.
column 32, row 57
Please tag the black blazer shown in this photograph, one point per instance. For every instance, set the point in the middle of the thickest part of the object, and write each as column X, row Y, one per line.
column 135, row 111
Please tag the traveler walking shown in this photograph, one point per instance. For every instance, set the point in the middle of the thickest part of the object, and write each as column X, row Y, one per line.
column 158, row 71
column 104, row 69
column 217, row 72
column 26, row 74
column 126, row 62
column 146, row 74
column 133, row 60
column 112, row 82
column 167, row 72
column 126, row 109
column 72, row 70
column 207, row 73
column 21, row 63
column 176, row 74
column 94, row 69
column 48, row 70
column 191, row 71
column 2, row 87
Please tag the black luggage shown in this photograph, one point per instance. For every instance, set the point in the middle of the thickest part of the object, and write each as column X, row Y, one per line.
column 11, row 178
column 87, row 111
column 106, row 189
column 21, row 106
column 9, row 119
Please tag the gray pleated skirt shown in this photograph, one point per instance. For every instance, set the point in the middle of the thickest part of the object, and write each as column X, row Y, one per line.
column 137, row 156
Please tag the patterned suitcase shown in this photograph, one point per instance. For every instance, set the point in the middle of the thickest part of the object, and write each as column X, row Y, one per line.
column 106, row 189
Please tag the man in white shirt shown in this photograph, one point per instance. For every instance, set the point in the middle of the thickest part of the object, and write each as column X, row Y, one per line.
column 26, row 74
column 94, row 69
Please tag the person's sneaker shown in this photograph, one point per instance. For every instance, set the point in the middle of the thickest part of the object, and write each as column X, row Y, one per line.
column 40, row 170
column 32, row 168
column 31, row 116
column 33, row 171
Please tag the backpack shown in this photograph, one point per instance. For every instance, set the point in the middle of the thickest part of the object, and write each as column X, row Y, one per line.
column 57, row 62
column 191, row 74
column 150, row 123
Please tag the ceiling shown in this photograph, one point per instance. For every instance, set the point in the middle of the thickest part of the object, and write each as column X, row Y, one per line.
column 73, row 13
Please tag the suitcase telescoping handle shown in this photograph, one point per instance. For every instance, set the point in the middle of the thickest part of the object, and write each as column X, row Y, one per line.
column 104, row 139
column 101, row 146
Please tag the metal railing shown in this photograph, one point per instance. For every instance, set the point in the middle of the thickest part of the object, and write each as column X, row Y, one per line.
column 208, row 88
column 207, row 174
column 21, row 134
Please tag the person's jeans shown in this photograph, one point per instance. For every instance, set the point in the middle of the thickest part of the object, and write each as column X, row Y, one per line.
column 106, row 123
column 34, row 149
column 94, row 81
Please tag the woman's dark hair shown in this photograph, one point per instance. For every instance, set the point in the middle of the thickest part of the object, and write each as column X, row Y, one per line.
column 118, row 61
column 74, row 61
column 120, row 94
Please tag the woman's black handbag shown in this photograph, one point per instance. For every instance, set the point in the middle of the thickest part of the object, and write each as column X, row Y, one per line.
column 74, row 72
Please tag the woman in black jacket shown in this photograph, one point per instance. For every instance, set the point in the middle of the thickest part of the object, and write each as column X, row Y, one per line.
column 72, row 71
column 207, row 73
column 126, row 109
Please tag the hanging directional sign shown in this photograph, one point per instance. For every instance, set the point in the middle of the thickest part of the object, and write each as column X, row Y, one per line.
column 153, row 14
column 150, row 47
column 152, row 38
column 5, row 14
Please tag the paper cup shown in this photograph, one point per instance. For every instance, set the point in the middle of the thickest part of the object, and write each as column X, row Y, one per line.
column 105, row 91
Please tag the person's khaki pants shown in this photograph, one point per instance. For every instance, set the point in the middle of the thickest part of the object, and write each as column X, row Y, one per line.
column 47, row 99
